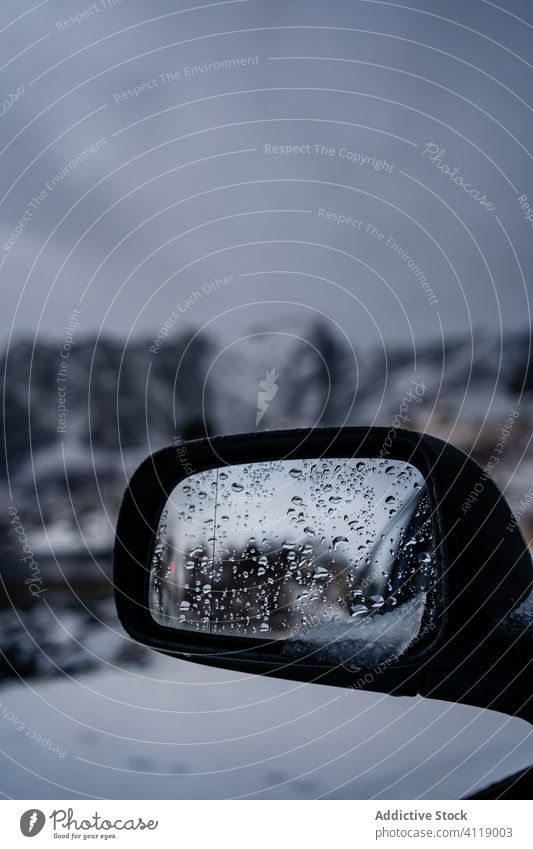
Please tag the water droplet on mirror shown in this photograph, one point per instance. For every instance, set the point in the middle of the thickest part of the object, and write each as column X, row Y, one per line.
column 295, row 473
column 237, row 487
column 338, row 540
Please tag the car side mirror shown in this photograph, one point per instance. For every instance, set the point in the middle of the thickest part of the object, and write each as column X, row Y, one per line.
column 329, row 556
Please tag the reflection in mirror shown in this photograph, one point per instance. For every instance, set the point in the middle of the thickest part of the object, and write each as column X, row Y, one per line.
column 329, row 555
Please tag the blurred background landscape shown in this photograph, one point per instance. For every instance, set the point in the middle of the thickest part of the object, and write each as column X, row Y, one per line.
column 238, row 216
column 126, row 402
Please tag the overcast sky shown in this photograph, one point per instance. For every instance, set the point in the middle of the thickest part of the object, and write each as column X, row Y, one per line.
column 160, row 123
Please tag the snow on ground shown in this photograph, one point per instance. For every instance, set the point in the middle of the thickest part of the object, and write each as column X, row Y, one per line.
column 174, row 729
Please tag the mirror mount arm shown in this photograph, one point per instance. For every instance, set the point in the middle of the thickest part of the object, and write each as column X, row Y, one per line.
column 494, row 674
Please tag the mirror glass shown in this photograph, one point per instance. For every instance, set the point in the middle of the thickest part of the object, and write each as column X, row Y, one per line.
column 332, row 556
